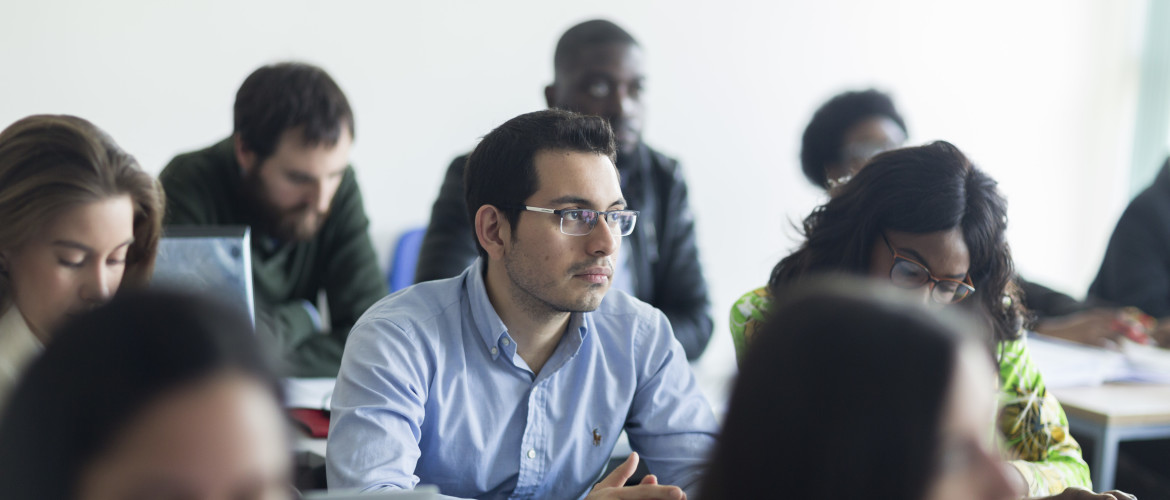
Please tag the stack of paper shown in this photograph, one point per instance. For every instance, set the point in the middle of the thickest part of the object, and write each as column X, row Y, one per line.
column 1069, row 364
column 311, row 393
column 1147, row 363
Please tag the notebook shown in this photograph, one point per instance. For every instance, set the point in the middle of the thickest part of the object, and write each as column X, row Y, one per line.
column 213, row 260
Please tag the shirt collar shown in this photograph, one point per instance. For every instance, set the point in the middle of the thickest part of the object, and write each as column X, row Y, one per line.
column 483, row 315
column 488, row 323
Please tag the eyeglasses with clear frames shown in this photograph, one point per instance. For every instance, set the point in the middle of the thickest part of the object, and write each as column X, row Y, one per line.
column 581, row 221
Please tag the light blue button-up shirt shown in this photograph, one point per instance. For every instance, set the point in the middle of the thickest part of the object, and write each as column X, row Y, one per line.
column 431, row 391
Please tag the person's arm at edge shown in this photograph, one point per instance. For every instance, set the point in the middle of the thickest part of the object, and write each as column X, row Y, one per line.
column 746, row 314
column 680, row 290
column 1046, row 302
column 670, row 424
column 447, row 248
column 1064, row 466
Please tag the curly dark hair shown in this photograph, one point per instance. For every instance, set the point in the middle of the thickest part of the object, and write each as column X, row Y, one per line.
column 916, row 190
column 823, row 137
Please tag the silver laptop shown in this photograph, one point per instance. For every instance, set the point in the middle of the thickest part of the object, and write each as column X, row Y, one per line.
column 211, row 260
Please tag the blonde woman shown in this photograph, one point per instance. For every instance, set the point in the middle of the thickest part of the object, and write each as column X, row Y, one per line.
column 78, row 219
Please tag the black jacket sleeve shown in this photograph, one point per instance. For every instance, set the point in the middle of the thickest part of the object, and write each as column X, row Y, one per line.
column 1136, row 267
column 1047, row 303
column 448, row 247
column 680, row 290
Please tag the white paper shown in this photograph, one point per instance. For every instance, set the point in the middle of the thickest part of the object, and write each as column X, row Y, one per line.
column 1068, row 364
column 1147, row 363
column 312, row 393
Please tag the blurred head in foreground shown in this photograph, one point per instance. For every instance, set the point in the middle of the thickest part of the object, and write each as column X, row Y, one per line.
column 848, row 393
column 155, row 395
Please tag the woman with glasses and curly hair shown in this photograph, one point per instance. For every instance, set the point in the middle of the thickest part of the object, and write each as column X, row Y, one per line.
column 852, row 127
column 78, row 219
column 925, row 219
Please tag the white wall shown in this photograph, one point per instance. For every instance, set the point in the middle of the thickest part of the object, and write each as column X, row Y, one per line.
column 1040, row 93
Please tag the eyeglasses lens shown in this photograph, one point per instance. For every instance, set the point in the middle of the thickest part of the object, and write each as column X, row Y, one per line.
column 580, row 222
column 906, row 274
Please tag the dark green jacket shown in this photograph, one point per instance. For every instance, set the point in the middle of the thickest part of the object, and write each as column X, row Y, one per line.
column 204, row 188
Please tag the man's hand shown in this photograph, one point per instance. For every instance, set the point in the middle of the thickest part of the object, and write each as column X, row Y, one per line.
column 612, row 486
column 1083, row 494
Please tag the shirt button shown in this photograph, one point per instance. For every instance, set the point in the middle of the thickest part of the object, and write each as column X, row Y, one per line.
column 531, row 453
column 494, row 351
column 506, row 342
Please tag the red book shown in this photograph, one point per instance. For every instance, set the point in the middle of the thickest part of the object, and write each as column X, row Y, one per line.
column 314, row 422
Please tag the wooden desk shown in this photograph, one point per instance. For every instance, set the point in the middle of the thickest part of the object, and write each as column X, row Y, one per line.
column 1112, row 413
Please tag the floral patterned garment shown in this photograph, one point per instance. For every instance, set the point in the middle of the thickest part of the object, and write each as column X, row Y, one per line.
column 1031, row 421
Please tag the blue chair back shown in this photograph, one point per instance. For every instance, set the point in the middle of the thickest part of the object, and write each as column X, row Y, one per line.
column 400, row 272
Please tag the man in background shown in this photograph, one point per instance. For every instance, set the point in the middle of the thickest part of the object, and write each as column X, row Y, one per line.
column 598, row 71
column 285, row 172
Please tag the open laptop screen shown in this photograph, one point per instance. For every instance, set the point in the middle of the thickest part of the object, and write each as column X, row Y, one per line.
column 212, row 260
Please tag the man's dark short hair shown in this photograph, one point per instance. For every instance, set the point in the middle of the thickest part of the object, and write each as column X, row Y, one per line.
column 283, row 96
column 587, row 34
column 501, row 171
column 825, row 134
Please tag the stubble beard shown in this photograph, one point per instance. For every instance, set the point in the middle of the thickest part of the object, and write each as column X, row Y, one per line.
column 536, row 298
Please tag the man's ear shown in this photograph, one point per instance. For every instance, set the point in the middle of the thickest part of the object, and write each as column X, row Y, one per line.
column 245, row 157
column 550, row 95
column 492, row 230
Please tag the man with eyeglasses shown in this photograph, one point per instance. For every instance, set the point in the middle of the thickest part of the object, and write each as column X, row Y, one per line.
column 515, row 378
column 598, row 71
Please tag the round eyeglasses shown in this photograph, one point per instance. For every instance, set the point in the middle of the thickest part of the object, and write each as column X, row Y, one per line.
column 581, row 221
column 910, row 274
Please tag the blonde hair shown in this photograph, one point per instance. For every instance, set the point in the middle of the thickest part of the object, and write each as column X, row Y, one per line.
column 51, row 163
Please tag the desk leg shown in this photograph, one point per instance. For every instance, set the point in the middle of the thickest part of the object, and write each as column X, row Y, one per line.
column 1106, row 441
column 1103, row 461
column 1104, row 467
